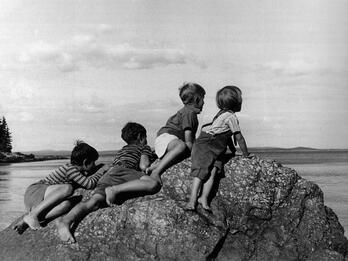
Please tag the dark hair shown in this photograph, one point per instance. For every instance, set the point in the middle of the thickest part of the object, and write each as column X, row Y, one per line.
column 229, row 98
column 82, row 151
column 131, row 131
column 191, row 93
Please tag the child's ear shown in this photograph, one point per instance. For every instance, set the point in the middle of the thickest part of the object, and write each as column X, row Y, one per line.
column 84, row 163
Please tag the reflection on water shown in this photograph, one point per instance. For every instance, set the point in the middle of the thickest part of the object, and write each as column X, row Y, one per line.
column 15, row 178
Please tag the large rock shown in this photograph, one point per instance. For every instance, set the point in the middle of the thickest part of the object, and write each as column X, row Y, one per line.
column 262, row 211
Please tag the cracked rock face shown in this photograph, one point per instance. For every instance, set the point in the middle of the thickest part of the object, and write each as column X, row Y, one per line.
column 261, row 211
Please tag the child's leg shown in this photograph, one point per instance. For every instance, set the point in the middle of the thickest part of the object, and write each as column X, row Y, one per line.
column 80, row 210
column 54, row 195
column 145, row 184
column 196, row 186
column 175, row 153
column 207, row 187
column 57, row 211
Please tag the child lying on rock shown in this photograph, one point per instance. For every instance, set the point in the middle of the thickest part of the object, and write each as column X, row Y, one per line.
column 125, row 175
column 50, row 197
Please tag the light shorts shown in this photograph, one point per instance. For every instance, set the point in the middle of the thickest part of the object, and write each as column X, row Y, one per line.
column 161, row 143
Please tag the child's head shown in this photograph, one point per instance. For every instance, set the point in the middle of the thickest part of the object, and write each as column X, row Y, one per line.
column 229, row 98
column 134, row 132
column 192, row 93
column 83, row 154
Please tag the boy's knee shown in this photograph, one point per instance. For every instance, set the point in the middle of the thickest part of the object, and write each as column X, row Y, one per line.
column 181, row 146
column 67, row 190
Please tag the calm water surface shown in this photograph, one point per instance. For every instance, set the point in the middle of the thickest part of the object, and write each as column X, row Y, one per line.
column 332, row 177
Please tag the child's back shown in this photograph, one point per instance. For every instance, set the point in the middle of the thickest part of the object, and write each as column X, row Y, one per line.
column 174, row 141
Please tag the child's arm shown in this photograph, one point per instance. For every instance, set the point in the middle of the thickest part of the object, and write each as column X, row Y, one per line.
column 144, row 162
column 87, row 182
column 189, row 139
column 242, row 144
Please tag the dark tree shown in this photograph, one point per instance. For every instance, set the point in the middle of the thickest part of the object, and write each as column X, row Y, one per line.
column 5, row 136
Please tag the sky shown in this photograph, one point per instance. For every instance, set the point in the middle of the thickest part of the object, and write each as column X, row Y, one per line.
column 82, row 69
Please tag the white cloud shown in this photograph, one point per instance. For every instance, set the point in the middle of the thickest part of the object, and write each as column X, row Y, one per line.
column 89, row 50
column 292, row 67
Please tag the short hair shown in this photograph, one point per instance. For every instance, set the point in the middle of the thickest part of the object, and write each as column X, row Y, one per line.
column 81, row 152
column 191, row 93
column 131, row 131
column 229, row 98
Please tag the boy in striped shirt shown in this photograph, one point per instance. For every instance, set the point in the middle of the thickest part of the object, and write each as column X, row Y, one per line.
column 127, row 175
column 50, row 197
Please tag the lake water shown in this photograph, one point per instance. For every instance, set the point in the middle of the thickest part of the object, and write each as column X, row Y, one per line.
column 331, row 175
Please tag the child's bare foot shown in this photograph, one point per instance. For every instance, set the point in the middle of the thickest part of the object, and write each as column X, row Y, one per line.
column 20, row 227
column 204, row 204
column 111, row 193
column 157, row 177
column 32, row 221
column 190, row 207
column 64, row 232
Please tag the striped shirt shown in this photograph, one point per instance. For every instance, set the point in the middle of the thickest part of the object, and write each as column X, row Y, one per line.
column 70, row 174
column 129, row 156
column 225, row 121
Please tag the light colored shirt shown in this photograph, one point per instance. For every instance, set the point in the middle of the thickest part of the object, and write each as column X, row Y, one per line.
column 224, row 122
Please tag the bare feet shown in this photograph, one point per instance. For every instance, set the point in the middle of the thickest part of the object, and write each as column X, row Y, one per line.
column 20, row 227
column 111, row 193
column 64, row 232
column 204, row 204
column 190, row 207
column 157, row 177
column 32, row 221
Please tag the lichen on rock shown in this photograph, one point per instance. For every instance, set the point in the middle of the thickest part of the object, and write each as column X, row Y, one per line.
column 261, row 211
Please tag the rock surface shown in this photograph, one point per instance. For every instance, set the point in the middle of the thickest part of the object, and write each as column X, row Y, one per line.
column 261, row 211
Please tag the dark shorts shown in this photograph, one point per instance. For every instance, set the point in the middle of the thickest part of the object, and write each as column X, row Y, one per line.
column 34, row 195
column 115, row 176
column 207, row 153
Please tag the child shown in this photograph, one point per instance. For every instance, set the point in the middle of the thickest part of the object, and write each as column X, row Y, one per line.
column 49, row 198
column 174, row 140
column 212, row 144
column 124, row 176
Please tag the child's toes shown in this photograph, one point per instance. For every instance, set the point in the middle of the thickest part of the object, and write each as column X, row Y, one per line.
column 190, row 207
column 32, row 221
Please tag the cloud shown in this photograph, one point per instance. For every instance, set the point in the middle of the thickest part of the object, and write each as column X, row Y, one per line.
column 292, row 67
column 91, row 51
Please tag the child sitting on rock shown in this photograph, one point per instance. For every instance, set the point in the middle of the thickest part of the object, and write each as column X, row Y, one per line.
column 49, row 198
column 125, row 176
column 212, row 143
column 174, row 140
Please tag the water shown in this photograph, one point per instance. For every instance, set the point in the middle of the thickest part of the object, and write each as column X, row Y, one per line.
column 331, row 176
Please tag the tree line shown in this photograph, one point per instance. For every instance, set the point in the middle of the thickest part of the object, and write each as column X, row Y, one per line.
column 5, row 136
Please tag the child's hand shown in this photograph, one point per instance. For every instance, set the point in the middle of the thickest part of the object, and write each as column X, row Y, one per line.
column 148, row 171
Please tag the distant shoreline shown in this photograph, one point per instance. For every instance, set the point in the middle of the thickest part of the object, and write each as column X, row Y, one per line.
column 18, row 157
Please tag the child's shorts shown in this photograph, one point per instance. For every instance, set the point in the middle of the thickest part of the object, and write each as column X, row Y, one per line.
column 161, row 143
column 115, row 176
column 34, row 195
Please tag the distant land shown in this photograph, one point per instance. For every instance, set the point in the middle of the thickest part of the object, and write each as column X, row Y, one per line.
column 296, row 155
column 66, row 153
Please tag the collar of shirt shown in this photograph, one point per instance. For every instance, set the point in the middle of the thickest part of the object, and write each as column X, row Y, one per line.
column 191, row 107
